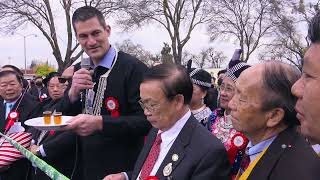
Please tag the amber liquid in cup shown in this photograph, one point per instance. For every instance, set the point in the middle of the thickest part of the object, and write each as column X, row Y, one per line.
column 47, row 117
column 57, row 117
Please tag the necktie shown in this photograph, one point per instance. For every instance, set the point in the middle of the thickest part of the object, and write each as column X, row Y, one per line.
column 245, row 162
column 8, row 109
column 152, row 158
column 98, row 71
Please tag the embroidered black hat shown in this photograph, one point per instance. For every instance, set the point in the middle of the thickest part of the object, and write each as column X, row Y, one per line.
column 235, row 66
column 49, row 77
column 200, row 77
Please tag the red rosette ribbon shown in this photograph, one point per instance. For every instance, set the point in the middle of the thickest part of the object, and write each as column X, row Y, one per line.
column 12, row 117
column 112, row 105
column 238, row 142
column 152, row 178
column 42, row 97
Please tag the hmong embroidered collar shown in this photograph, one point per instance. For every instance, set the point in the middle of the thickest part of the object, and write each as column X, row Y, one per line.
column 202, row 114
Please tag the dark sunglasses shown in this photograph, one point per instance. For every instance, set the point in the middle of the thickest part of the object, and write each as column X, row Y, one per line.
column 63, row 79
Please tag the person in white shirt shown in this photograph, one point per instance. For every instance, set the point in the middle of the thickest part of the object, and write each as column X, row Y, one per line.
column 262, row 108
column 177, row 147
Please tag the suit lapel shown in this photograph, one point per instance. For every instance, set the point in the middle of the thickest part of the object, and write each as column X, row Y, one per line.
column 21, row 106
column 270, row 158
column 2, row 114
column 177, row 150
column 24, row 108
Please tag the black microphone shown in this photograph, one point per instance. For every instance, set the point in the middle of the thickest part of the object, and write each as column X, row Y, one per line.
column 86, row 64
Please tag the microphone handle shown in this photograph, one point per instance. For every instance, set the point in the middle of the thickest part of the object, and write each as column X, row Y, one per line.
column 83, row 100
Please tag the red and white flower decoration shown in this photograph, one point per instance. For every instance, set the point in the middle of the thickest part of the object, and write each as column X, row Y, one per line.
column 239, row 141
column 112, row 105
column 12, row 117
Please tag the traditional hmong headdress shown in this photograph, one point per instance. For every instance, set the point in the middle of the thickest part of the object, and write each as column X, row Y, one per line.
column 235, row 66
column 200, row 77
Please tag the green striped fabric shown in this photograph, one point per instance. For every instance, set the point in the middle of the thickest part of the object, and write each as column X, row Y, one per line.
column 42, row 165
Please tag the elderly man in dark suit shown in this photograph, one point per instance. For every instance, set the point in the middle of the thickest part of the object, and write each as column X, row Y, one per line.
column 177, row 147
column 14, row 98
column 263, row 109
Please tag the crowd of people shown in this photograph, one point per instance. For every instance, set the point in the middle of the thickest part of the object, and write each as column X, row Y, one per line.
column 167, row 121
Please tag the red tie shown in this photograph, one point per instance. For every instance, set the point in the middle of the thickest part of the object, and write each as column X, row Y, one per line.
column 152, row 158
column 244, row 163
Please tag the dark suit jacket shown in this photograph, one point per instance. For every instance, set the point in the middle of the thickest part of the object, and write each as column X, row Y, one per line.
column 27, row 109
column 34, row 91
column 288, row 157
column 117, row 147
column 60, row 152
column 201, row 155
column 60, row 147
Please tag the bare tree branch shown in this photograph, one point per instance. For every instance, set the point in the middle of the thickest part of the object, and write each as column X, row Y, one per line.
column 39, row 13
column 288, row 43
column 178, row 17
column 246, row 20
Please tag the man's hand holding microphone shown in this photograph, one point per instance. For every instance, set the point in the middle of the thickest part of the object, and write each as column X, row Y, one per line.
column 83, row 124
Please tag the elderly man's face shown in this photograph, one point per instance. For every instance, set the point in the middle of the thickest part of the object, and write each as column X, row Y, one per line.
column 247, row 116
column 10, row 87
column 55, row 88
column 307, row 89
column 159, row 110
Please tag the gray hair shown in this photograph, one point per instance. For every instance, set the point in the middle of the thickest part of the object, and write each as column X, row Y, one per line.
column 278, row 78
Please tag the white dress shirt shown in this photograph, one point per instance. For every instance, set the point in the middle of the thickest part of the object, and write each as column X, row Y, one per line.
column 9, row 106
column 316, row 148
column 168, row 137
column 256, row 150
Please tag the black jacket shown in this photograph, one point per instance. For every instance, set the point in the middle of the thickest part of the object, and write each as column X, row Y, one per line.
column 288, row 157
column 201, row 155
column 116, row 147
column 27, row 109
column 60, row 147
column 34, row 91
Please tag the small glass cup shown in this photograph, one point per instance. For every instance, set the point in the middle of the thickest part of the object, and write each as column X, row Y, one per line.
column 47, row 117
column 57, row 117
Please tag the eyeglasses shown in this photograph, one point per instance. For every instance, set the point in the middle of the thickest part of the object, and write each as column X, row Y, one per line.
column 226, row 88
column 64, row 79
column 149, row 107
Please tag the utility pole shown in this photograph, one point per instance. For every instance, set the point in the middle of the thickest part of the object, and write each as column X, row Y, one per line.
column 25, row 48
